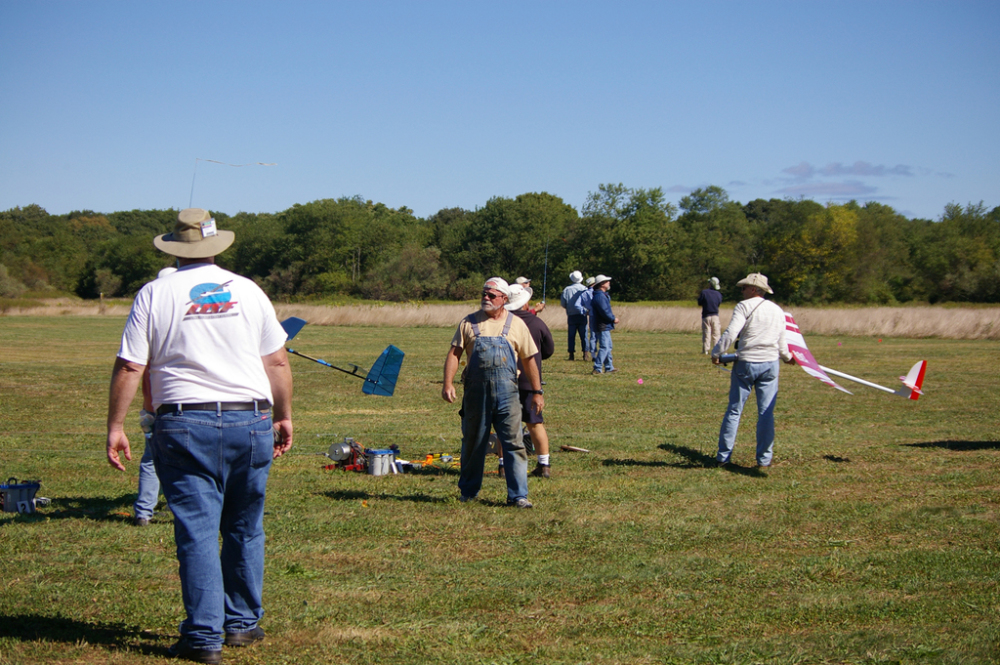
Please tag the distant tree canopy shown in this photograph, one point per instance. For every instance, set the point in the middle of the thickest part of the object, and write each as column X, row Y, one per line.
column 811, row 253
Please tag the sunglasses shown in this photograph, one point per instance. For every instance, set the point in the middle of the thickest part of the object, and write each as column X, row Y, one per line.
column 492, row 296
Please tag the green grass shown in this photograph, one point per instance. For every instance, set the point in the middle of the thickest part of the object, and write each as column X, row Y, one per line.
column 874, row 538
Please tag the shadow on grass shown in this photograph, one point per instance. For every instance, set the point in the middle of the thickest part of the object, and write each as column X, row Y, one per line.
column 100, row 509
column 694, row 458
column 838, row 460
column 957, row 445
column 34, row 627
column 363, row 495
column 634, row 462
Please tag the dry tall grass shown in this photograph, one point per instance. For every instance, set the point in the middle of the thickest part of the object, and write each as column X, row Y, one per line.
column 912, row 322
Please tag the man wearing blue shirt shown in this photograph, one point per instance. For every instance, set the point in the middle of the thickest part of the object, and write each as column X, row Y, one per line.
column 710, row 299
column 603, row 320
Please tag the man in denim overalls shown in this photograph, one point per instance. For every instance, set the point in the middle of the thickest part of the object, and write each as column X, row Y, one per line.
column 494, row 339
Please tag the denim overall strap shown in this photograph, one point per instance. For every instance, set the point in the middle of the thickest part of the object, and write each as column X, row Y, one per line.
column 503, row 333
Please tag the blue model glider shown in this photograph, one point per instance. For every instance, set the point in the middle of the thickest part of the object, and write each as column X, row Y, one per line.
column 380, row 379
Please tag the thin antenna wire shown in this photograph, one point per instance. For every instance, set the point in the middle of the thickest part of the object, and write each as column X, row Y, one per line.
column 545, row 274
column 191, row 200
column 199, row 159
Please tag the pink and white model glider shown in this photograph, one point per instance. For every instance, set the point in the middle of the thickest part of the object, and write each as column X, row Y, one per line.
column 912, row 382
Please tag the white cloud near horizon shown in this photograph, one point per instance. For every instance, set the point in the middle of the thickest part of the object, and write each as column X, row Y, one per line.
column 805, row 170
column 844, row 189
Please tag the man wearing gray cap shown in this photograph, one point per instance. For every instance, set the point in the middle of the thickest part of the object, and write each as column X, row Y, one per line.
column 222, row 389
column 494, row 340
column 710, row 299
column 758, row 327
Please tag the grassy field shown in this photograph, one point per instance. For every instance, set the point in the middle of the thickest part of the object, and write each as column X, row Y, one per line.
column 875, row 538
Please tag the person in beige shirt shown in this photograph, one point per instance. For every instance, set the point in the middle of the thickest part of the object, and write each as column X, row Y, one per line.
column 493, row 340
column 759, row 326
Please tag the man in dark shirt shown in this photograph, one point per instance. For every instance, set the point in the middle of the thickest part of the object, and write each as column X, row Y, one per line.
column 518, row 306
column 710, row 299
column 603, row 319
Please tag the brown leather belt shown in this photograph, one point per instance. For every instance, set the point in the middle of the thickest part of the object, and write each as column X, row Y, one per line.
column 259, row 405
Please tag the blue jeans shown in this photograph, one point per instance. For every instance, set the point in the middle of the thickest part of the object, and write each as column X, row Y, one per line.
column 603, row 362
column 577, row 324
column 149, row 484
column 491, row 401
column 763, row 379
column 213, row 467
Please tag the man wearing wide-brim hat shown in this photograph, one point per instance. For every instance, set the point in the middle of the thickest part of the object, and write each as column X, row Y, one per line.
column 759, row 327
column 603, row 319
column 575, row 299
column 533, row 420
column 221, row 389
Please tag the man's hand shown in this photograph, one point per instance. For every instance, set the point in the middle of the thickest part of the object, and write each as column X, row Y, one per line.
column 117, row 441
column 790, row 361
column 282, row 437
column 716, row 360
column 451, row 362
column 125, row 379
column 538, row 402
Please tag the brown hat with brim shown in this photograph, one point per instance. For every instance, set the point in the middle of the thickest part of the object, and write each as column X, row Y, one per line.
column 195, row 236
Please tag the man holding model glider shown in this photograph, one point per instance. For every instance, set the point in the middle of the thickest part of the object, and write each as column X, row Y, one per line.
column 758, row 328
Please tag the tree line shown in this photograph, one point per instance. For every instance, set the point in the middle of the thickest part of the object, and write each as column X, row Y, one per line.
column 654, row 250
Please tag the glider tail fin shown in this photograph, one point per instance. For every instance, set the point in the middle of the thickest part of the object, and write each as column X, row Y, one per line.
column 913, row 381
column 292, row 326
column 382, row 377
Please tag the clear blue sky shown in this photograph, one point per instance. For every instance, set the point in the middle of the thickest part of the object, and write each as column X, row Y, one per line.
column 430, row 105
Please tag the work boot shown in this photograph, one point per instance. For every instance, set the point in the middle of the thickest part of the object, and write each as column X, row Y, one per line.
column 245, row 639
column 571, row 354
column 540, row 471
column 183, row 650
column 586, row 356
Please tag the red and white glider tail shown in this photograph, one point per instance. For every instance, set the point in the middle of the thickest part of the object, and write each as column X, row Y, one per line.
column 913, row 381
column 803, row 357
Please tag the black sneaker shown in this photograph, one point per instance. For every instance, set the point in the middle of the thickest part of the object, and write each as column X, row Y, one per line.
column 181, row 649
column 140, row 521
column 245, row 639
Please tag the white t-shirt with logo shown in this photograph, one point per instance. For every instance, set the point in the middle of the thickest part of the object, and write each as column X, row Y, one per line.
column 203, row 331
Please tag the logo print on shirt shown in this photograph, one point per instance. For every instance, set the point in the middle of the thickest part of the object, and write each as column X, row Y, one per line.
column 210, row 298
